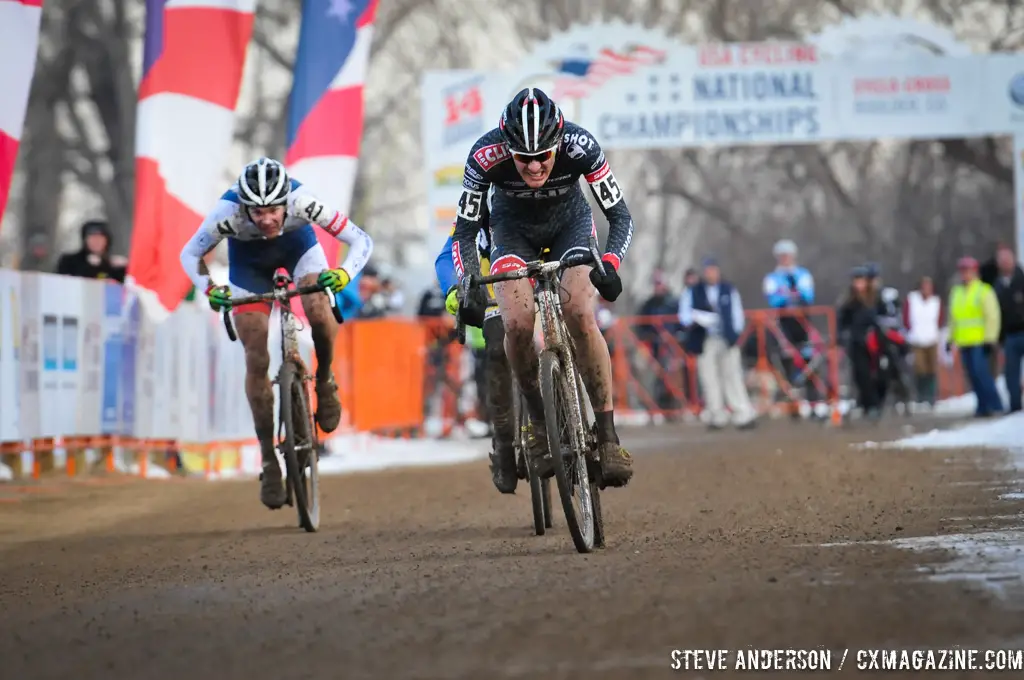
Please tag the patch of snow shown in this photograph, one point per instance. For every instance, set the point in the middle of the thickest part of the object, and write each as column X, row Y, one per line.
column 1005, row 432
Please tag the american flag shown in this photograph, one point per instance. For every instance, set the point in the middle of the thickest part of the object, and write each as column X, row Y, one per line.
column 578, row 77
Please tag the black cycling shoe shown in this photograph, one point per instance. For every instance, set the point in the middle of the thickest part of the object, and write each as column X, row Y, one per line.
column 537, row 446
column 272, row 491
column 616, row 464
column 503, row 469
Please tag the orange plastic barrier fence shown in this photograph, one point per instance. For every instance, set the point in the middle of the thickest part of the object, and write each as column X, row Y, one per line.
column 379, row 368
column 790, row 356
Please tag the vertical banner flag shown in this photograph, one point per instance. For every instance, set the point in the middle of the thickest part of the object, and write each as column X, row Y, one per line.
column 192, row 74
column 19, row 40
column 325, row 110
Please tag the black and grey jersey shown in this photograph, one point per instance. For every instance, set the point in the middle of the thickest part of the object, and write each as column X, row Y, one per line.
column 490, row 165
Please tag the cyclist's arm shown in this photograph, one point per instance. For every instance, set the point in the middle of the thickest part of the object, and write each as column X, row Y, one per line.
column 217, row 226
column 595, row 169
column 360, row 246
column 471, row 214
column 445, row 268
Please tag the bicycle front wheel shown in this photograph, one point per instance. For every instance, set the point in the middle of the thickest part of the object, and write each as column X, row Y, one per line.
column 299, row 445
column 566, row 445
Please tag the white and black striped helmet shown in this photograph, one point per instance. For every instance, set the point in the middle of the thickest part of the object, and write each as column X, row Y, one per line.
column 264, row 182
column 531, row 122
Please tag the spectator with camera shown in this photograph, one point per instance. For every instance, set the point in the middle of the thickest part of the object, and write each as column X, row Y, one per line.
column 791, row 287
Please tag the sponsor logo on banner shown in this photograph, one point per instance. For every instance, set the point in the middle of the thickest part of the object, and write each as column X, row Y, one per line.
column 721, row 107
column 732, row 55
column 449, row 176
column 109, row 422
column 909, row 95
column 581, row 74
column 69, row 343
column 51, row 343
column 492, row 155
column 464, row 108
column 131, row 321
column 1016, row 95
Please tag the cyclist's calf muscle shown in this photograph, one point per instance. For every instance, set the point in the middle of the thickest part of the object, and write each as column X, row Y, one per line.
column 322, row 325
column 252, row 332
column 578, row 310
column 515, row 302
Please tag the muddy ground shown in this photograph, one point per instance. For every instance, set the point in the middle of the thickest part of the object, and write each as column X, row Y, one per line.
column 429, row 573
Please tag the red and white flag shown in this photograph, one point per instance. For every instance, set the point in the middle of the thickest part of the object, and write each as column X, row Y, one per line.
column 192, row 74
column 19, row 42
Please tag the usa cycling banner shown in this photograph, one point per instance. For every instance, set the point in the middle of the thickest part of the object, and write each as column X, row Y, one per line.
column 634, row 88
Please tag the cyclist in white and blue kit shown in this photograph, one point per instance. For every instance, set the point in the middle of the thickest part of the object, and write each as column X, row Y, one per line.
column 267, row 218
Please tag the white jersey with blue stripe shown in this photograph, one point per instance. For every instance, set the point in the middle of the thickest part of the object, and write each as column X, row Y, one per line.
column 230, row 219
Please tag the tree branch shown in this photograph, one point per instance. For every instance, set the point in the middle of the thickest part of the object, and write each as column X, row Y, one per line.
column 961, row 151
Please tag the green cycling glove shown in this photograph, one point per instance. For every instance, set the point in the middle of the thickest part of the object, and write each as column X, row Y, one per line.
column 219, row 297
column 334, row 279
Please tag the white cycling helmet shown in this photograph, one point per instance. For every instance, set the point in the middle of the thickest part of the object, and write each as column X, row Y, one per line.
column 784, row 247
column 264, row 182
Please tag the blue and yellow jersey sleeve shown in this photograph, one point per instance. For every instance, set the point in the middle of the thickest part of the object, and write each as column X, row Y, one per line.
column 444, row 267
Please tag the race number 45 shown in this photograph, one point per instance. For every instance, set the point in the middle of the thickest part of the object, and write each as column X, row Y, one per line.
column 470, row 205
column 608, row 191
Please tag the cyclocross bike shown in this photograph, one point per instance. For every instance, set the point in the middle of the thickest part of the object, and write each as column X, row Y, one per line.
column 572, row 436
column 297, row 437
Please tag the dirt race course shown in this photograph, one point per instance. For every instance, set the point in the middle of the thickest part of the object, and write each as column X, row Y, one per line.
column 429, row 573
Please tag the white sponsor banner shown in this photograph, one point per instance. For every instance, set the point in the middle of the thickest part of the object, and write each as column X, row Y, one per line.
column 60, row 311
column 78, row 359
column 91, row 369
column 10, row 355
column 31, row 358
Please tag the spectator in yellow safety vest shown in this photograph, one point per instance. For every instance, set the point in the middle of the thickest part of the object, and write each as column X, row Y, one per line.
column 974, row 322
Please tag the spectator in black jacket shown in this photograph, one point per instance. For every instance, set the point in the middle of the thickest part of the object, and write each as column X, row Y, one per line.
column 1009, row 287
column 857, row 318
column 93, row 260
column 658, row 333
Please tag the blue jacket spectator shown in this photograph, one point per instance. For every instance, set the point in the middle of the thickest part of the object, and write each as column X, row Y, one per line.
column 788, row 285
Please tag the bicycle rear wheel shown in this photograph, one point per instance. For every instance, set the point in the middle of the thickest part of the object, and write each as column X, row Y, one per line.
column 299, row 447
column 566, row 443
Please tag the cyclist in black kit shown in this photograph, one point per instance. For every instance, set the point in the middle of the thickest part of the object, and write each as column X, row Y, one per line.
column 534, row 160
